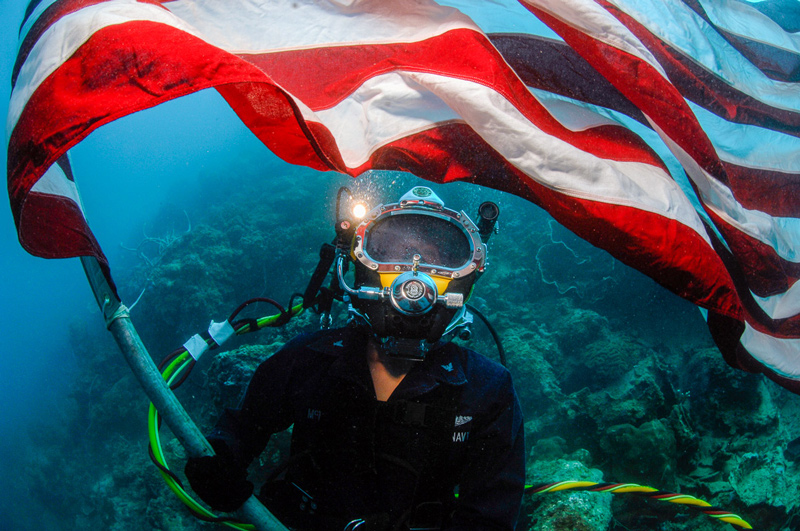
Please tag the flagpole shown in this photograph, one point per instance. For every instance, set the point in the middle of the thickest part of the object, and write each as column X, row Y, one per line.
column 169, row 408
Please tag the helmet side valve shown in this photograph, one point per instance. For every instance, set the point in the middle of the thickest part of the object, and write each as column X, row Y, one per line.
column 364, row 292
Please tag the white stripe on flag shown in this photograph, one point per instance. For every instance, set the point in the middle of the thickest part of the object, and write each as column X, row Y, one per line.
column 55, row 182
column 675, row 23
column 718, row 197
column 648, row 135
column 545, row 158
column 750, row 146
column 780, row 355
column 281, row 25
column 783, row 305
column 746, row 21
column 383, row 109
column 571, row 114
column 67, row 35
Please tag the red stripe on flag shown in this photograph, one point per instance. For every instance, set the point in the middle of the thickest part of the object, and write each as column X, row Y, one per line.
column 669, row 252
column 120, row 70
column 50, row 16
column 755, row 315
column 54, row 227
column 323, row 77
column 273, row 117
column 765, row 272
column 772, row 192
column 709, row 91
column 727, row 333
column 643, row 85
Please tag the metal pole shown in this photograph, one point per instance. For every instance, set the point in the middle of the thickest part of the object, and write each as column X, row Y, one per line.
column 156, row 388
column 169, row 408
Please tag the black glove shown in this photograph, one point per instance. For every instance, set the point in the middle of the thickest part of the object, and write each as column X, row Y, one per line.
column 219, row 480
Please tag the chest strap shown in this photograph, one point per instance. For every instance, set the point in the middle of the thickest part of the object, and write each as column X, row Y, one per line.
column 414, row 414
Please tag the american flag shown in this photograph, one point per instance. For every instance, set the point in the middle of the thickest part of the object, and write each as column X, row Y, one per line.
column 663, row 131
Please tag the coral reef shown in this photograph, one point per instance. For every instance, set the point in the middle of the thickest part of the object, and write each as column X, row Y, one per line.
column 566, row 511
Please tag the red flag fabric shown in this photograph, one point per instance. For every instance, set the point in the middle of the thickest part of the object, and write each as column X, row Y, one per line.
column 663, row 132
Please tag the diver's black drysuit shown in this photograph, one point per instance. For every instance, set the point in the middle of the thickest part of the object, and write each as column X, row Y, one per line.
column 452, row 425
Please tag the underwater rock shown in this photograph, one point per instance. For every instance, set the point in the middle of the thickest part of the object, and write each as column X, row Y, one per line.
column 230, row 372
column 792, row 451
column 574, row 328
column 568, row 510
column 112, row 412
column 549, row 449
column 227, row 258
column 528, row 350
column 192, row 279
column 729, row 401
column 601, row 362
column 638, row 396
column 643, row 454
column 762, row 479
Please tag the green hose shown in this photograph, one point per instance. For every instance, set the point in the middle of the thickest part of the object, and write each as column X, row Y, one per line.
column 171, row 374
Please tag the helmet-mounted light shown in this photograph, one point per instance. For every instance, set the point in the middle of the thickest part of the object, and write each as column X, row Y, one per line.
column 359, row 211
column 349, row 212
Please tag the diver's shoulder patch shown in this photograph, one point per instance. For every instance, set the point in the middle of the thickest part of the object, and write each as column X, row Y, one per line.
column 462, row 419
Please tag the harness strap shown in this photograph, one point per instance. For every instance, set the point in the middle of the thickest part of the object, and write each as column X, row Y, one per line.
column 425, row 513
column 326, row 255
column 416, row 415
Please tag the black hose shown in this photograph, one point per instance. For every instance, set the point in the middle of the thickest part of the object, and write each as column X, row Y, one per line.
column 500, row 350
column 184, row 376
column 169, row 357
column 251, row 301
column 161, row 467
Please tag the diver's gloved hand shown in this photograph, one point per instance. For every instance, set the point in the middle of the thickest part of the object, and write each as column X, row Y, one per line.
column 219, row 480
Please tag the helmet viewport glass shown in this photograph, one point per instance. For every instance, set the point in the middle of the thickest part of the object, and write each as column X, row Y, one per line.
column 439, row 242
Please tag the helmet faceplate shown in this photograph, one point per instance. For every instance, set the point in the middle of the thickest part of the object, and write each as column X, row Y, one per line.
column 447, row 242
column 415, row 264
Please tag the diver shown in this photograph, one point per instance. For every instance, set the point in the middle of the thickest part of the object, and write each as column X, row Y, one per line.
column 393, row 425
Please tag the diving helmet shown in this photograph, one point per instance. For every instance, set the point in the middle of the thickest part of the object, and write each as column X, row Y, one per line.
column 415, row 263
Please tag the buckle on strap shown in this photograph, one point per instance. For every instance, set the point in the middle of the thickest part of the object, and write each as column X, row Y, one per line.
column 410, row 413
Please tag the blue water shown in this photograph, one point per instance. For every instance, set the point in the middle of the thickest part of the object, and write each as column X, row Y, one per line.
column 34, row 294
column 158, row 156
